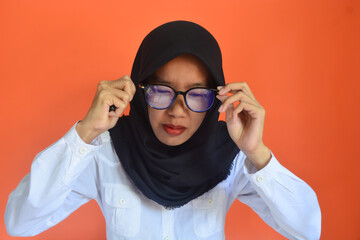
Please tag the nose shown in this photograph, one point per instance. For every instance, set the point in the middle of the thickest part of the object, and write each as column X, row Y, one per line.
column 178, row 108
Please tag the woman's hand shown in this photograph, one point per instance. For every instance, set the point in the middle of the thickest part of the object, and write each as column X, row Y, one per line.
column 245, row 121
column 99, row 119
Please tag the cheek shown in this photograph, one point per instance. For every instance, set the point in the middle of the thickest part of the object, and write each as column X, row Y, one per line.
column 154, row 116
column 197, row 119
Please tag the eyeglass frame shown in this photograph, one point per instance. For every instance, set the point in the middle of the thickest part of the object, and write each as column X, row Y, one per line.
column 144, row 86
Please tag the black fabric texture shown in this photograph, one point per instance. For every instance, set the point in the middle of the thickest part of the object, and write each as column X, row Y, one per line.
column 174, row 175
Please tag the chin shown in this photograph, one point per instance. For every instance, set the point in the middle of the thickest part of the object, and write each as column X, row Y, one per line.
column 172, row 141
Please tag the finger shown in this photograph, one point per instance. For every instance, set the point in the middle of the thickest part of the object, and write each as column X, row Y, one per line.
column 235, row 87
column 254, row 111
column 107, row 99
column 109, row 94
column 121, row 94
column 222, row 97
column 239, row 96
column 118, row 111
column 125, row 83
column 132, row 85
column 229, row 113
column 120, row 106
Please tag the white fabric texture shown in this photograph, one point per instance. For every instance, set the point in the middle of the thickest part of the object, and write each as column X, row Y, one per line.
column 70, row 172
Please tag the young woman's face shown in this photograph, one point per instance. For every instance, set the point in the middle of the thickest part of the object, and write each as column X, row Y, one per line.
column 176, row 124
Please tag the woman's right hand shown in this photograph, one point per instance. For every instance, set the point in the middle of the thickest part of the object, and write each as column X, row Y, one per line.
column 99, row 119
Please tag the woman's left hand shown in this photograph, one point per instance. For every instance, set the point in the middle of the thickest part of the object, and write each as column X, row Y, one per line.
column 245, row 121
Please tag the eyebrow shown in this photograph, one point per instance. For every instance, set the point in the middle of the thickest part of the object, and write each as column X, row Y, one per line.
column 159, row 80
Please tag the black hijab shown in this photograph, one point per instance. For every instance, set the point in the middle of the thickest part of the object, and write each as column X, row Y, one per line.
column 174, row 175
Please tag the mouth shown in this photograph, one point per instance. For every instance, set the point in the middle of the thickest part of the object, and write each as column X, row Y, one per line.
column 174, row 130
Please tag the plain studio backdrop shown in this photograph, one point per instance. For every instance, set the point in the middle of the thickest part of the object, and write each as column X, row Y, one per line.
column 300, row 58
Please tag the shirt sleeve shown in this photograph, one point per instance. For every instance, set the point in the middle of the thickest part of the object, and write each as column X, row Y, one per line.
column 60, row 181
column 281, row 199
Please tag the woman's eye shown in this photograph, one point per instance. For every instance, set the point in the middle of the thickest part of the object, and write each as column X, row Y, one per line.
column 163, row 91
column 197, row 95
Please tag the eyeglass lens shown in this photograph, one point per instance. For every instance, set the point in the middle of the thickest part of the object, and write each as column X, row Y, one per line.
column 161, row 97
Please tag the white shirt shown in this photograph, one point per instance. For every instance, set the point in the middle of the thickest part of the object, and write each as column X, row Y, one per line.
column 70, row 172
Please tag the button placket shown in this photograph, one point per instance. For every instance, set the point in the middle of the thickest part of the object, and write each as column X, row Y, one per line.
column 167, row 223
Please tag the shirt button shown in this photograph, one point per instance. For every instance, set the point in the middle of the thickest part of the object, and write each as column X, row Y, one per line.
column 210, row 201
column 82, row 150
column 122, row 201
column 166, row 238
column 260, row 178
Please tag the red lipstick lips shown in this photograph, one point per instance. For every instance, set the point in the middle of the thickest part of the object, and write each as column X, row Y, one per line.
column 173, row 129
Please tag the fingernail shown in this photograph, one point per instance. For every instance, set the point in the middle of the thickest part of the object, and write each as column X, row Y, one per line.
column 221, row 108
column 221, row 89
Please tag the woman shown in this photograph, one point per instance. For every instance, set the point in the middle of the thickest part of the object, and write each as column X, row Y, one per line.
column 168, row 170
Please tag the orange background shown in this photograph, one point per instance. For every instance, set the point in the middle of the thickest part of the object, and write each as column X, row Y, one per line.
column 300, row 58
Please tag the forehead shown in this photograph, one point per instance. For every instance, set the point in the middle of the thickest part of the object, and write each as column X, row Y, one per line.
column 183, row 71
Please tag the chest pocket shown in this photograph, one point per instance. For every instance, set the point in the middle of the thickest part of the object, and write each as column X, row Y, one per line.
column 125, row 209
column 209, row 213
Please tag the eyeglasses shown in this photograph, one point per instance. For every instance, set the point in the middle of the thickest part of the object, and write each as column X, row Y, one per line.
column 197, row 99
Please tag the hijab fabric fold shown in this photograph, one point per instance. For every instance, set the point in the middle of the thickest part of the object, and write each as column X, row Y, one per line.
column 174, row 175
